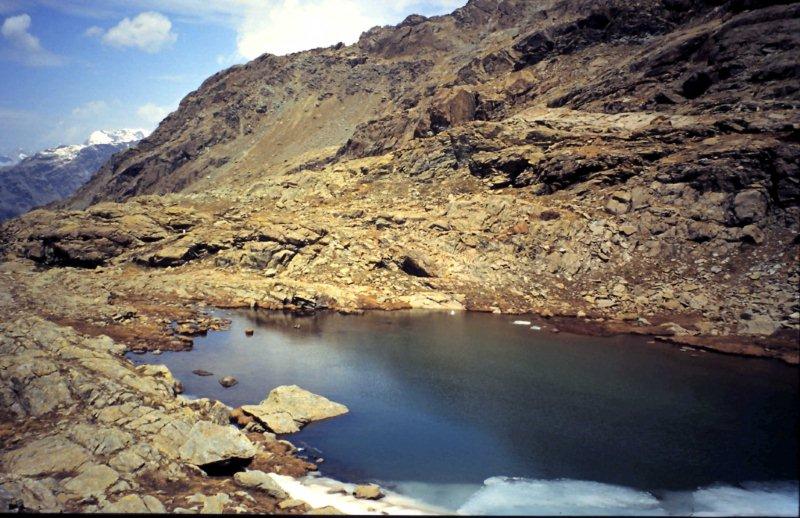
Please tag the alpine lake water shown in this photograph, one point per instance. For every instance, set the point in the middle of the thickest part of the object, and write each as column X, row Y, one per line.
column 472, row 413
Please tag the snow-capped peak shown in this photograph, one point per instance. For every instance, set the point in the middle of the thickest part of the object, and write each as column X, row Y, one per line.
column 120, row 136
column 62, row 152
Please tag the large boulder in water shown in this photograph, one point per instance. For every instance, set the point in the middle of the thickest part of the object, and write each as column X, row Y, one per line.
column 287, row 408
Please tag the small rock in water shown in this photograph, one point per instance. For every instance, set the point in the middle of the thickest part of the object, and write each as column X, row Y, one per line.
column 157, row 352
column 178, row 387
column 368, row 492
column 536, row 328
column 249, row 331
column 228, row 381
column 522, row 322
column 201, row 372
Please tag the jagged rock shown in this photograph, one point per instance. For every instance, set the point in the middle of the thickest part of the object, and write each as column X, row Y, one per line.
column 209, row 443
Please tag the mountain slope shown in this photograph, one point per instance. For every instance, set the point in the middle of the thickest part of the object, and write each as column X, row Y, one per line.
column 55, row 174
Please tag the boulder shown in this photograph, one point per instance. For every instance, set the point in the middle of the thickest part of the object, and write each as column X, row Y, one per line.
column 749, row 205
column 368, row 492
column 228, row 381
column 259, row 480
column 209, row 443
column 289, row 407
column 619, row 203
column 290, row 503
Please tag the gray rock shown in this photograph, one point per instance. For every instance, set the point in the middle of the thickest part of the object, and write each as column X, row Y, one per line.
column 54, row 454
column 228, row 381
column 92, row 480
column 259, row 480
column 135, row 504
column 289, row 407
column 208, row 443
column 759, row 325
column 749, row 206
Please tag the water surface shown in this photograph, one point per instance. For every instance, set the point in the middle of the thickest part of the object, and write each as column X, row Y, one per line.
column 441, row 403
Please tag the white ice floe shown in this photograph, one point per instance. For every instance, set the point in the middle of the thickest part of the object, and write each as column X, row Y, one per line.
column 522, row 322
column 510, row 496
column 536, row 328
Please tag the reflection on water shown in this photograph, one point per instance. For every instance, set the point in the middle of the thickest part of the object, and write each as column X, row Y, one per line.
column 456, row 399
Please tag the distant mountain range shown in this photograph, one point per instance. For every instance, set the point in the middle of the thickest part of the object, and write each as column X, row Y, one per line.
column 53, row 174
column 12, row 158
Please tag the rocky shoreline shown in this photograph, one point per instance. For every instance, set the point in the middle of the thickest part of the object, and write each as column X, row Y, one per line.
column 120, row 432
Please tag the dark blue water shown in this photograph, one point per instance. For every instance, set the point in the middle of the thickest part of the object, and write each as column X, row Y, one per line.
column 439, row 400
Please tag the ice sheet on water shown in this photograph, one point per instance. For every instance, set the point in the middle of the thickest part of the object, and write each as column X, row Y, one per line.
column 509, row 496
column 751, row 499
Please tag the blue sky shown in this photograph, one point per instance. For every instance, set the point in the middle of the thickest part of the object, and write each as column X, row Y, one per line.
column 69, row 67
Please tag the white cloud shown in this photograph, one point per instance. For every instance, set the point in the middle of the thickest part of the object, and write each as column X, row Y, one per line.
column 152, row 114
column 94, row 31
column 26, row 47
column 90, row 109
column 292, row 25
column 286, row 26
column 149, row 31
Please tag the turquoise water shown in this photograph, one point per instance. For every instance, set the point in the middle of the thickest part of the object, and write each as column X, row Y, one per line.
column 472, row 412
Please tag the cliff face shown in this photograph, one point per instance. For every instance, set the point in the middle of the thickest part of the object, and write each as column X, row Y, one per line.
column 626, row 161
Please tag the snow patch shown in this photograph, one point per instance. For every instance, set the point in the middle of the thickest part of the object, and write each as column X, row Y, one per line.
column 120, row 136
column 317, row 493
